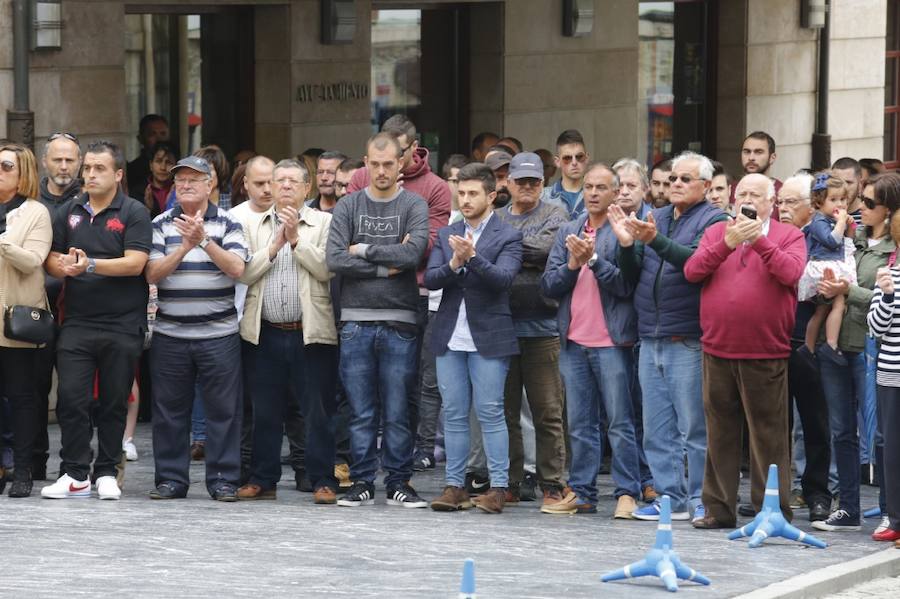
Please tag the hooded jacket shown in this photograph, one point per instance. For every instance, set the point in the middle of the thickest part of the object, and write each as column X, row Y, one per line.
column 418, row 179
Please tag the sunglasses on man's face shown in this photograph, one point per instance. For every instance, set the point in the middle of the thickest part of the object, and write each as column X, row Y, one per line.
column 7, row 166
column 579, row 157
column 686, row 179
column 59, row 134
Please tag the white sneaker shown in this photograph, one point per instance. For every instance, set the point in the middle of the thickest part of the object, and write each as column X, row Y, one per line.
column 130, row 450
column 66, row 487
column 883, row 525
column 108, row 488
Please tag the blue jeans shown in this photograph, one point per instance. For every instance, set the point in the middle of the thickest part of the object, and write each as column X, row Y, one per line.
column 598, row 379
column 279, row 364
column 845, row 389
column 467, row 378
column 198, row 416
column 378, row 365
column 671, row 375
column 867, row 410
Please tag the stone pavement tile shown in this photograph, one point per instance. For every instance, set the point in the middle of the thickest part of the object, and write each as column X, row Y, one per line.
column 880, row 588
column 196, row 547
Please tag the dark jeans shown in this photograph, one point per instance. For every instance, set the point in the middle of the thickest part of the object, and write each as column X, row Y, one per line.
column 17, row 385
column 414, row 394
column 378, row 365
column 805, row 388
column 281, row 362
column 637, row 405
column 45, row 361
column 177, row 363
column 889, row 401
column 295, row 429
column 844, row 386
column 429, row 395
column 82, row 352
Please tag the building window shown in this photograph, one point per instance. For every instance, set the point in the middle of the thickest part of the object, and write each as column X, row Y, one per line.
column 891, row 83
column 674, row 85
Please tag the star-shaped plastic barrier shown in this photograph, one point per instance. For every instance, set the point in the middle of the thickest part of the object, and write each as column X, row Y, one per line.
column 661, row 560
column 770, row 522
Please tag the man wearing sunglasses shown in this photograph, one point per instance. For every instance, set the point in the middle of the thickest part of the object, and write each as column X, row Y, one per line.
column 534, row 319
column 571, row 159
column 668, row 308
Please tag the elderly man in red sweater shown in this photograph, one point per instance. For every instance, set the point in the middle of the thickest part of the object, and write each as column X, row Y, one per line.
column 749, row 268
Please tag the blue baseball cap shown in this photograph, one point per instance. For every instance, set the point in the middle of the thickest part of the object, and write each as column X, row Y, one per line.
column 526, row 165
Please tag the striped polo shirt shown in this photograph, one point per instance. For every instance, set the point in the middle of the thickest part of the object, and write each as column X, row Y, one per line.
column 196, row 301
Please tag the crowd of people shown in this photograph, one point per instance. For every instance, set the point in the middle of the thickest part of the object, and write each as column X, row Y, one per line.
column 659, row 315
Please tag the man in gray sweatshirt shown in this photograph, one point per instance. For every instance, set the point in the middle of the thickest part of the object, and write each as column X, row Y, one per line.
column 377, row 239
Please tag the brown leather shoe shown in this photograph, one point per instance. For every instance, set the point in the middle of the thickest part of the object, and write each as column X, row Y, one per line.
column 452, row 499
column 512, row 495
column 252, row 491
column 709, row 523
column 493, row 501
column 342, row 474
column 324, row 496
column 198, row 451
column 649, row 494
column 559, row 502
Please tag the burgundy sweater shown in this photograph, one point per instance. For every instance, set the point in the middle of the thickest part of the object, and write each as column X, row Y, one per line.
column 749, row 298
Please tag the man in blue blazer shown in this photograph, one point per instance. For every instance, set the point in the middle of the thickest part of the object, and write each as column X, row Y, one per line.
column 474, row 261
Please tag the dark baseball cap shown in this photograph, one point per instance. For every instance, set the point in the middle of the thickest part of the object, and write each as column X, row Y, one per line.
column 526, row 165
column 195, row 163
column 497, row 160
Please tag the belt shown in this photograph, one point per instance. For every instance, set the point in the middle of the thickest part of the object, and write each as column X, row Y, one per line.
column 286, row 326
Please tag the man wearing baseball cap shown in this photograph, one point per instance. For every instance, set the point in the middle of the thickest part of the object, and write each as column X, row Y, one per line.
column 198, row 253
column 534, row 319
column 498, row 161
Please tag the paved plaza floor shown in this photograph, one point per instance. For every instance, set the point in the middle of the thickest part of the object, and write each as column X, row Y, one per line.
column 197, row 547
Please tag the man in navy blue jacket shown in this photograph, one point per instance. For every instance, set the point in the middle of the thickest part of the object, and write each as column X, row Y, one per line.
column 474, row 261
column 597, row 330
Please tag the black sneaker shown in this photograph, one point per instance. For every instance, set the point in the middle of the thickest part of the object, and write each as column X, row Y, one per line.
column 528, row 488
column 423, row 461
column 477, row 483
column 405, row 496
column 839, row 520
column 819, row 511
column 361, row 493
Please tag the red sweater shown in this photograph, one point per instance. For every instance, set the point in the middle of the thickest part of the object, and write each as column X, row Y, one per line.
column 418, row 179
column 749, row 298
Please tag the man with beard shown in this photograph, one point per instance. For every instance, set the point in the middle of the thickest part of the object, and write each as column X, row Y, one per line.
column 378, row 237
column 498, row 162
column 62, row 163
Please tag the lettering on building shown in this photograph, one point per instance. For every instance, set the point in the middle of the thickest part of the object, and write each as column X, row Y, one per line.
column 342, row 91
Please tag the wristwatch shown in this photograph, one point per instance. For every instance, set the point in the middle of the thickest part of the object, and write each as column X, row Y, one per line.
column 203, row 242
column 92, row 265
column 592, row 260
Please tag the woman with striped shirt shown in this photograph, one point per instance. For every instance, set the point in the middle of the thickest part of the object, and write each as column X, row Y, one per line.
column 884, row 320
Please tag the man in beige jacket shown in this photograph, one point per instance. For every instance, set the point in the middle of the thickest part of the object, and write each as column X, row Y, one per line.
column 288, row 332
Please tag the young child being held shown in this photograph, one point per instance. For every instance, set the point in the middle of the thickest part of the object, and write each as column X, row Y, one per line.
column 829, row 249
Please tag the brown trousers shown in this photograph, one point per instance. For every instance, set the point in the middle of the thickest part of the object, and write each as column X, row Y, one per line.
column 731, row 390
column 537, row 368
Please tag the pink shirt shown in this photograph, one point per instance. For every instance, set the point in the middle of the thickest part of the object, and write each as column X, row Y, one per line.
column 587, row 326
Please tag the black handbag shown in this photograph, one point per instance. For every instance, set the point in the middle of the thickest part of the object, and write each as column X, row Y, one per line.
column 27, row 324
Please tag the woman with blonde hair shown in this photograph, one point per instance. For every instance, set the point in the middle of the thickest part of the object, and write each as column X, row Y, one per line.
column 25, row 237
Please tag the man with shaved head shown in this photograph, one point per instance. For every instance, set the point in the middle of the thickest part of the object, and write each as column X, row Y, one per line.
column 749, row 268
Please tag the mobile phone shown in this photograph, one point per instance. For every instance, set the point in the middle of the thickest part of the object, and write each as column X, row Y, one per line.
column 749, row 211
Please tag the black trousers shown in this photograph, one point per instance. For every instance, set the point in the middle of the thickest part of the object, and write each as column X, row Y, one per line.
column 17, row 385
column 82, row 352
column 805, row 388
column 889, row 400
column 45, row 361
